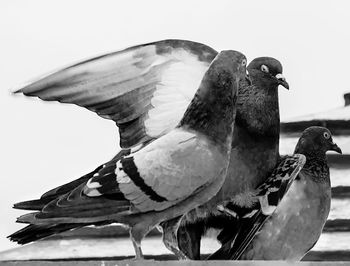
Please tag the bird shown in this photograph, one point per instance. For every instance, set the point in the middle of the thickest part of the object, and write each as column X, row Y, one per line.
column 172, row 175
column 145, row 90
column 290, row 209
column 254, row 155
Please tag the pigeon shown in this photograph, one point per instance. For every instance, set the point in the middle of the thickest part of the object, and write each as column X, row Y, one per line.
column 254, row 155
column 146, row 89
column 290, row 209
column 170, row 176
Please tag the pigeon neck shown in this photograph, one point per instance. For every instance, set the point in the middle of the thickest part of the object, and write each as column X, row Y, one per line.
column 316, row 160
column 311, row 152
column 212, row 112
column 258, row 110
column 314, row 157
column 317, row 168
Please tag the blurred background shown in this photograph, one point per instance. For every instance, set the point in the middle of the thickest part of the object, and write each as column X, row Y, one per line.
column 43, row 145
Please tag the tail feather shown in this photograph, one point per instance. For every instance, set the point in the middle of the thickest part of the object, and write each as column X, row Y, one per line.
column 221, row 254
column 33, row 232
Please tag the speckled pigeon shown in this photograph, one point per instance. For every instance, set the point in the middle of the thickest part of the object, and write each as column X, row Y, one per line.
column 145, row 89
column 290, row 209
column 172, row 175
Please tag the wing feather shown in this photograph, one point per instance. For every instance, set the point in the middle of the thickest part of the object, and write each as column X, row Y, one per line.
column 125, row 86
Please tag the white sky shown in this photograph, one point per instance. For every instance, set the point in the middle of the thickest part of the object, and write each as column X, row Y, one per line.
column 43, row 145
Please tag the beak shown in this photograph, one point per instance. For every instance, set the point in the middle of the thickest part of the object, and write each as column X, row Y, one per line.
column 334, row 147
column 282, row 81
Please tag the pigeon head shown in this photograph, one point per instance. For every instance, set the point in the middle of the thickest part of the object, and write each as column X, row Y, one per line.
column 257, row 103
column 269, row 70
column 212, row 110
column 316, row 141
column 227, row 66
column 220, row 83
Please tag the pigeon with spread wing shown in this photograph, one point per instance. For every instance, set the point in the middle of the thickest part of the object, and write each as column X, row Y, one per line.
column 170, row 176
column 290, row 209
column 144, row 89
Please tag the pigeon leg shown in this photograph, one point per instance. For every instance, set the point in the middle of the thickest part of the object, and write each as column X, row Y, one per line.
column 189, row 240
column 138, row 250
column 169, row 229
column 136, row 235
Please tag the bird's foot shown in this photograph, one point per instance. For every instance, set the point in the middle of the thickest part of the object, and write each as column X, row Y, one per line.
column 138, row 251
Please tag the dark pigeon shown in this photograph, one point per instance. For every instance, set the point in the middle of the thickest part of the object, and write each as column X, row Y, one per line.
column 254, row 155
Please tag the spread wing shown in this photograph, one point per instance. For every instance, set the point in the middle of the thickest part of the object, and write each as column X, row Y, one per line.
column 145, row 89
column 251, row 220
column 162, row 174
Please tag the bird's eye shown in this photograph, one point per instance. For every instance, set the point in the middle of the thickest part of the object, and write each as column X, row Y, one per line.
column 264, row 69
column 244, row 62
column 326, row 135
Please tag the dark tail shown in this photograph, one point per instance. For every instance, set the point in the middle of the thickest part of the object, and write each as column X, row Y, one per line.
column 34, row 232
column 222, row 254
column 226, row 237
column 37, row 205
